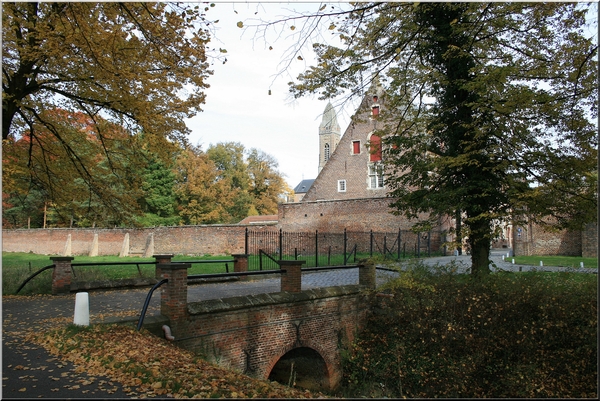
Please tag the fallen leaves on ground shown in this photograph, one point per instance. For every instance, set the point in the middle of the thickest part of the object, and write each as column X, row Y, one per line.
column 148, row 366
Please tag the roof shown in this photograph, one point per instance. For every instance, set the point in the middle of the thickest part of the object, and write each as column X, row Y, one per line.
column 304, row 186
column 265, row 219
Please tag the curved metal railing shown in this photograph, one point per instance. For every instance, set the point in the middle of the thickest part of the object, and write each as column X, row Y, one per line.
column 33, row 275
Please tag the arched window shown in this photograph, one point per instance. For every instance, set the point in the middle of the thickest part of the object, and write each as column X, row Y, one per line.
column 327, row 152
column 375, row 148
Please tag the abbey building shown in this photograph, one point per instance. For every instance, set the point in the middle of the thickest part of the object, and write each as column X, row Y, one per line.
column 350, row 190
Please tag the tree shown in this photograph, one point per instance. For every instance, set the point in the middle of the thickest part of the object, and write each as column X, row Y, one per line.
column 256, row 185
column 267, row 186
column 40, row 171
column 141, row 65
column 203, row 198
column 159, row 201
column 489, row 109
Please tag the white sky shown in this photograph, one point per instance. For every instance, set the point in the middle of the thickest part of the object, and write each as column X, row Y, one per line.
column 238, row 105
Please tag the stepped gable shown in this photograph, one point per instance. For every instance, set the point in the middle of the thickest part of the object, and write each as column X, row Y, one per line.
column 352, row 171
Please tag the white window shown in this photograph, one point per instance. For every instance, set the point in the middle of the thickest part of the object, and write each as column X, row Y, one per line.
column 341, row 185
column 375, row 175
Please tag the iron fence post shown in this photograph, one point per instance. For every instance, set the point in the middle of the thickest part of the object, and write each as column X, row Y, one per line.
column 371, row 244
column 280, row 244
column 385, row 251
column 316, row 248
column 345, row 246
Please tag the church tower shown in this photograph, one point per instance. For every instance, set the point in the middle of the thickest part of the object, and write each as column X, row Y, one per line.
column 329, row 135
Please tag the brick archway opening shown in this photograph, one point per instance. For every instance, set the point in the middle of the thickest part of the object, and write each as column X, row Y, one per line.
column 301, row 367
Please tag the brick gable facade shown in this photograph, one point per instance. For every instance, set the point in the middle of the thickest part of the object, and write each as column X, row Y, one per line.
column 346, row 173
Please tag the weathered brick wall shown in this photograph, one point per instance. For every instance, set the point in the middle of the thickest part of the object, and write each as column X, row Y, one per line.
column 334, row 216
column 589, row 246
column 354, row 215
column 532, row 239
column 192, row 240
column 250, row 334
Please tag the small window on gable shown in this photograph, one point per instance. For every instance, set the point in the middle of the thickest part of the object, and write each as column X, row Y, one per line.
column 375, row 107
column 355, row 147
column 375, row 148
column 341, row 185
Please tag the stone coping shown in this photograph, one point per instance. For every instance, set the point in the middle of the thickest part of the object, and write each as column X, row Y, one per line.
column 274, row 298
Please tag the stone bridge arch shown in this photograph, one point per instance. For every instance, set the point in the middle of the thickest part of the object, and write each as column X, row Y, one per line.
column 305, row 366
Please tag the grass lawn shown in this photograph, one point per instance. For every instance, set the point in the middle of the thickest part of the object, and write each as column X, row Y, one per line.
column 562, row 261
column 17, row 267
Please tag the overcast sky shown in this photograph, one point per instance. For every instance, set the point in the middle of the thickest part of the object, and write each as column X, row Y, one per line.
column 238, row 105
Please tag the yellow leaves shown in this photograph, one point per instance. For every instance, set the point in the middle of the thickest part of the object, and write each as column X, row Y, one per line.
column 148, row 366
column 240, row 24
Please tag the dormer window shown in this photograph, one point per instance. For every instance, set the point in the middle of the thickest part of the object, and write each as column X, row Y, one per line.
column 375, row 107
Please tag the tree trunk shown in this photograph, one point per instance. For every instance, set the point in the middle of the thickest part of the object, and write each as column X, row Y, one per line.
column 480, row 247
column 459, row 231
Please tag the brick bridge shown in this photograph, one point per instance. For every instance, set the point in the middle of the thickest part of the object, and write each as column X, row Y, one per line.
column 291, row 333
column 275, row 336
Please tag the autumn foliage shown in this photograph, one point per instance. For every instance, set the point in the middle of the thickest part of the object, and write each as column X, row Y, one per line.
column 90, row 172
column 148, row 366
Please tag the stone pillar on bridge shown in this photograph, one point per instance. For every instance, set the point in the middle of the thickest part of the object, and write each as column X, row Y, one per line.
column 173, row 299
column 367, row 275
column 240, row 264
column 291, row 277
column 161, row 259
column 61, row 274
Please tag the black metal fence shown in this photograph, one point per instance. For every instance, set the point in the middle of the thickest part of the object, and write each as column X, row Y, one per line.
column 331, row 249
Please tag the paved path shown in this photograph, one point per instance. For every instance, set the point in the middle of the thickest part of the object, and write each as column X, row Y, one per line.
column 28, row 371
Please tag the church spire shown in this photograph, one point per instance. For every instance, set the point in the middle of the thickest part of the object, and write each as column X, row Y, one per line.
column 329, row 121
column 329, row 135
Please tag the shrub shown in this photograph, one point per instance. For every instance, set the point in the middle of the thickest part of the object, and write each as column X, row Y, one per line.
column 507, row 335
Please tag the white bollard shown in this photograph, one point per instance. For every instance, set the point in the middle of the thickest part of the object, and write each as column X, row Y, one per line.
column 581, row 264
column 541, row 263
column 507, row 254
column 502, row 257
column 513, row 261
column 82, row 309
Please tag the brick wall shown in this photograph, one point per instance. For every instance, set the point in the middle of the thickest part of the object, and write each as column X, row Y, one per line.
column 182, row 240
column 533, row 239
column 589, row 246
column 358, row 215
